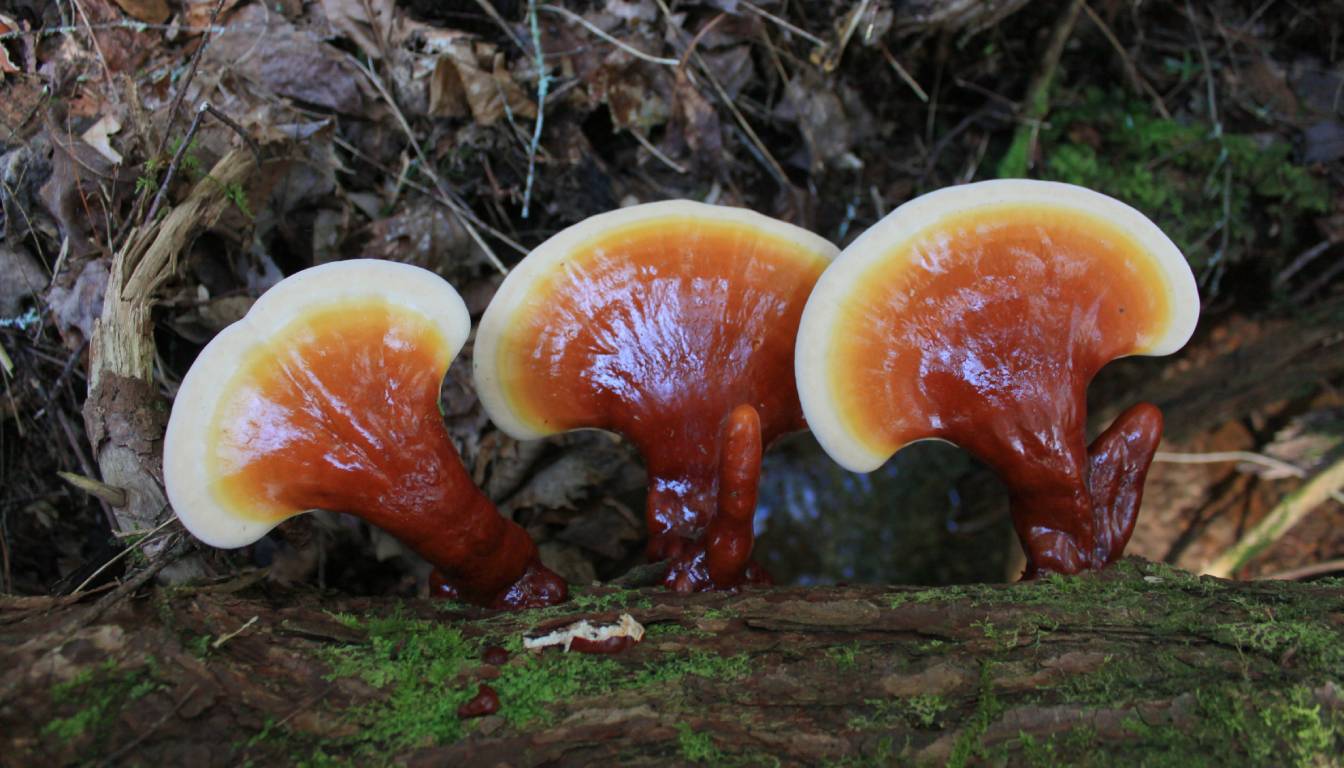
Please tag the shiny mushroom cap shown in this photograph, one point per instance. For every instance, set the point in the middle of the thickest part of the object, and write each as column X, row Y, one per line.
column 978, row 315
column 281, row 398
column 667, row 305
column 999, row 290
column 326, row 396
column 654, row 321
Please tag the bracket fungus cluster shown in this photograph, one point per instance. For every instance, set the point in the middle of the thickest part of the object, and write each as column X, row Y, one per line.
column 326, row 396
column 672, row 324
column 978, row 315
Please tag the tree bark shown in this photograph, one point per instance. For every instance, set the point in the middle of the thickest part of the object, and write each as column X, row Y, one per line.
column 1136, row 664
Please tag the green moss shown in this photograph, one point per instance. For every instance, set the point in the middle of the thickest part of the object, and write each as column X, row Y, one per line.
column 697, row 663
column 624, row 598
column 1194, row 180
column 1240, row 725
column 415, row 661
column 419, row 666
column 100, row 693
column 987, row 710
column 697, row 747
column 1312, row 642
column 844, row 656
column 922, row 711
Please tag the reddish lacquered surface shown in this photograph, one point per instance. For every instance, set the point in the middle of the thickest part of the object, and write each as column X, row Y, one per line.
column 658, row 331
column 987, row 336
column 340, row 412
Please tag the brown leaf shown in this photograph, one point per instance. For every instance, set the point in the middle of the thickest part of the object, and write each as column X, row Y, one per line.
column 261, row 46
column 698, row 123
column 366, row 22
column 23, row 277
column 196, row 13
column 122, row 49
column 6, row 64
column 422, row 233
column 814, row 104
column 151, row 11
column 75, row 308
column 631, row 97
column 76, row 194
column 483, row 81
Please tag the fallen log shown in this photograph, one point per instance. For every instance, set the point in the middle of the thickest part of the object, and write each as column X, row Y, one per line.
column 1138, row 664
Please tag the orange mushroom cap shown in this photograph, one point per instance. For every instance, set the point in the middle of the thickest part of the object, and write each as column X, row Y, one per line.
column 656, row 322
column 978, row 314
column 325, row 395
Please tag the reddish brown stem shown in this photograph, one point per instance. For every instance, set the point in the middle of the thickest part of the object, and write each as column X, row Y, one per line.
column 731, row 535
column 714, row 551
column 1118, row 461
column 1074, row 527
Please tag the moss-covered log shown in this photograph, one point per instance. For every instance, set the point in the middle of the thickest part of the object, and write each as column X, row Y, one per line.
column 1142, row 664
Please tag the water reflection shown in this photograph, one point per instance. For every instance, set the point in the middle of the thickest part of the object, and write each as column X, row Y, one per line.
column 930, row 515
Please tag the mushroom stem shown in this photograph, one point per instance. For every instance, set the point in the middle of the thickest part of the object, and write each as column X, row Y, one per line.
column 1119, row 459
column 731, row 534
column 1075, row 509
column 702, row 501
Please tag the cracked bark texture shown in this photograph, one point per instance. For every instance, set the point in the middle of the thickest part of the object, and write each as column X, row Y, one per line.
column 1140, row 663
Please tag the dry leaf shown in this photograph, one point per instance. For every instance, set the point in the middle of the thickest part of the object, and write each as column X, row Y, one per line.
column 699, row 124
column 150, row 11
column 24, row 277
column 263, row 47
column 6, row 64
column 478, row 76
column 76, row 308
column 366, row 22
column 196, row 13
column 98, row 136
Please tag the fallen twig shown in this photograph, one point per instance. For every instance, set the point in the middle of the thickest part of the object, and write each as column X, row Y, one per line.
column 1036, row 104
column 148, row 534
column 1284, row 516
column 588, row 25
column 465, row 217
column 543, row 84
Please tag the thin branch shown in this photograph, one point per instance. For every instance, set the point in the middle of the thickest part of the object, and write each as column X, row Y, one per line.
column 653, row 150
column 543, row 85
column 467, row 219
column 1280, row 519
column 176, row 161
column 124, row 552
column 588, row 25
column 134, row 26
column 1135, row 78
column 799, row 31
column 1307, row 571
column 107, row 72
column 905, row 76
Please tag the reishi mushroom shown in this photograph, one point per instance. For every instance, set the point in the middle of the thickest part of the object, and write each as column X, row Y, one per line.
column 326, row 395
column 670, row 323
column 978, row 315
